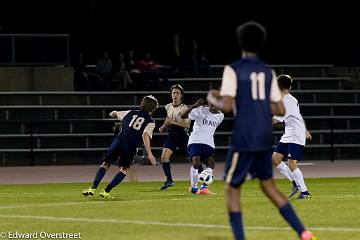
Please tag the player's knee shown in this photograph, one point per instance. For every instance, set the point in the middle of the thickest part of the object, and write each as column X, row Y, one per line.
column 211, row 163
column 292, row 164
column 164, row 158
column 196, row 162
column 105, row 165
column 266, row 186
column 276, row 159
column 124, row 170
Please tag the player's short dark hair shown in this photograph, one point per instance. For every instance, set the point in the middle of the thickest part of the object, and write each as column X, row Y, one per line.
column 149, row 103
column 177, row 86
column 251, row 36
column 284, row 82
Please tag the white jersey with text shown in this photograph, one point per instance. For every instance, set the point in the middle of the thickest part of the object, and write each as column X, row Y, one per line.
column 204, row 126
column 294, row 124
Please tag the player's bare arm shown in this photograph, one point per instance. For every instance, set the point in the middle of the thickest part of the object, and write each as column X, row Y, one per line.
column 307, row 133
column 277, row 108
column 164, row 126
column 185, row 123
column 113, row 114
column 146, row 140
column 224, row 103
column 197, row 104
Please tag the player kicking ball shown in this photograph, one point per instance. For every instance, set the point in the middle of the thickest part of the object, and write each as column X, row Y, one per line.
column 201, row 144
column 137, row 127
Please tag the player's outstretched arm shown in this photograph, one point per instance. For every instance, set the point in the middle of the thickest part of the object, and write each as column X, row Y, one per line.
column 197, row 104
column 113, row 114
column 185, row 123
column 146, row 140
column 119, row 115
column 224, row 103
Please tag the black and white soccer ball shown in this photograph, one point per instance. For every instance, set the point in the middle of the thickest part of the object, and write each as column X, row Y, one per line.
column 206, row 176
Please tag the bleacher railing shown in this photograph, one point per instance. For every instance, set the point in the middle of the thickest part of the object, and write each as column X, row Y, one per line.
column 32, row 136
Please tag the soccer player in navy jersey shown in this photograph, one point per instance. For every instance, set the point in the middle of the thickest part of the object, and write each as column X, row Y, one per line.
column 137, row 127
column 250, row 89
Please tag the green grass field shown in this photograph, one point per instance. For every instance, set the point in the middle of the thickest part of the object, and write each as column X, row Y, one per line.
column 141, row 211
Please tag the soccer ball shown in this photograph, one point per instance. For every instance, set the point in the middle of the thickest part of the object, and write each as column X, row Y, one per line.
column 206, row 176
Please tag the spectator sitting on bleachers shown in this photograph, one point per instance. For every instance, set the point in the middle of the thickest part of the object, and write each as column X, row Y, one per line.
column 135, row 74
column 104, row 68
column 177, row 58
column 121, row 73
column 81, row 79
column 150, row 70
column 199, row 63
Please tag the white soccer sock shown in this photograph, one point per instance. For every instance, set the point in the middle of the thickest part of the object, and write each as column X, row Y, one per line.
column 194, row 177
column 285, row 170
column 299, row 179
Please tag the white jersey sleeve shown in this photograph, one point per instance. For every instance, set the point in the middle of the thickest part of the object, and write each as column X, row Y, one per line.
column 149, row 129
column 195, row 113
column 121, row 114
column 229, row 82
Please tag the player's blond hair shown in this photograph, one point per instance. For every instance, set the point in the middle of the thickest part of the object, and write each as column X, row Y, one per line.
column 149, row 103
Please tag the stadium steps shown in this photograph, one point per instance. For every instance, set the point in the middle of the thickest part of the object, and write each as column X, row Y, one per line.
column 8, row 112
column 134, row 98
column 300, row 83
column 69, row 127
column 98, row 140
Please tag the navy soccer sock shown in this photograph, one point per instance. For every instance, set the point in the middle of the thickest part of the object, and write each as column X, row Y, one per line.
column 99, row 175
column 236, row 225
column 289, row 215
column 167, row 171
column 116, row 180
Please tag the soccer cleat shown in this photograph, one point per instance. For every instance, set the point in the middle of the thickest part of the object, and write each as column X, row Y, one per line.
column 166, row 185
column 303, row 196
column 105, row 195
column 294, row 190
column 205, row 191
column 89, row 192
column 193, row 190
column 307, row 235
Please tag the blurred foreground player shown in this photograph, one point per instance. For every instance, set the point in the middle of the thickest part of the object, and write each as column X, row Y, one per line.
column 249, row 89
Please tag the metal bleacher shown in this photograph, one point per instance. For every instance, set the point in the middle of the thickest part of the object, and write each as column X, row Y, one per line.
column 40, row 128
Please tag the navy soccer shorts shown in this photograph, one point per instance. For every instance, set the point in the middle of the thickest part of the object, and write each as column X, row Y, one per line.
column 290, row 150
column 239, row 164
column 122, row 150
column 177, row 141
column 204, row 151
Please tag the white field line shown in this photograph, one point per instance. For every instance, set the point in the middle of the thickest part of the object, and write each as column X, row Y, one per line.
column 167, row 224
column 112, row 201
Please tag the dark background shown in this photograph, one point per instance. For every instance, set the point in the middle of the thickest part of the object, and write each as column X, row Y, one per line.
column 297, row 34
